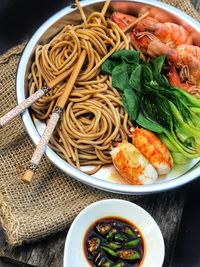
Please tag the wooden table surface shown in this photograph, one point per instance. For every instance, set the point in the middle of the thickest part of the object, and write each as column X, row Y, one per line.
column 167, row 208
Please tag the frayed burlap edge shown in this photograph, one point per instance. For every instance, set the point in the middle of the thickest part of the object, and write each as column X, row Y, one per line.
column 8, row 222
column 17, row 50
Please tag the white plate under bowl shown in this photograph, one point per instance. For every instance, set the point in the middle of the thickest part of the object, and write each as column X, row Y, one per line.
column 74, row 255
column 106, row 179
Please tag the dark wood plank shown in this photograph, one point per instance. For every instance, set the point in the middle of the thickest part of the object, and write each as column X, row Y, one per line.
column 166, row 209
column 189, row 232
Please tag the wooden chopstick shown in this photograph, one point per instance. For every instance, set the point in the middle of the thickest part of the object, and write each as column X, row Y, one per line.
column 31, row 99
column 136, row 22
column 81, row 12
column 40, row 149
column 105, row 7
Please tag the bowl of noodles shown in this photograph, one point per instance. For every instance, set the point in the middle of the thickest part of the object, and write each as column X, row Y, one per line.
column 95, row 118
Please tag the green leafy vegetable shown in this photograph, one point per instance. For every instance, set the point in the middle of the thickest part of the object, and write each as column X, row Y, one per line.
column 108, row 66
column 148, row 124
column 154, row 104
column 128, row 56
column 136, row 78
column 120, row 77
column 131, row 103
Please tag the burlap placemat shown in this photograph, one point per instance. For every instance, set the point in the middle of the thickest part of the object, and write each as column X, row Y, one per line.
column 53, row 199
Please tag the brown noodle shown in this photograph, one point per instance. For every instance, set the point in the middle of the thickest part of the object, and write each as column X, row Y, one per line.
column 94, row 116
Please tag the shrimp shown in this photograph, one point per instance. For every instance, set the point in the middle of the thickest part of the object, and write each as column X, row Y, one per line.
column 153, row 150
column 152, row 46
column 132, row 165
column 186, row 58
column 169, row 33
column 122, row 20
column 189, row 56
column 175, row 80
column 155, row 39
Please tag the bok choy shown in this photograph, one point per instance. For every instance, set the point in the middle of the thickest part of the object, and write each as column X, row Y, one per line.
column 151, row 102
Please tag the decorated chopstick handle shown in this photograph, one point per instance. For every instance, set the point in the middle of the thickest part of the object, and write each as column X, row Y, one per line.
column 22, row 106
column 31, row 99
column 39, row 151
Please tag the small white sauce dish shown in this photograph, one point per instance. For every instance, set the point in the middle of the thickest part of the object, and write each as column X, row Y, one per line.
column 74, row 254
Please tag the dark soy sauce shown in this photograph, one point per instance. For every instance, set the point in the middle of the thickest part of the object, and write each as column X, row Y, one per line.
column 107, row 232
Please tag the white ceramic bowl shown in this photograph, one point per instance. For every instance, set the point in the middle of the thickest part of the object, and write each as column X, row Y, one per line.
column 74, row 254
column 104, row 178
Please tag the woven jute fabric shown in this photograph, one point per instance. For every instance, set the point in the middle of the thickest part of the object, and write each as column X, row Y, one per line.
column 53, row 199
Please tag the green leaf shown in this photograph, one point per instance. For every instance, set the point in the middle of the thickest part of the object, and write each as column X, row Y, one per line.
column 125, row 103
column 108, row 66
column 168, row 143
column 120, row 77
column 157, row 65
column 135, row 79
column 131, row 103
column 147, row 74
column 179, row 158
column 156, row 110
column 190, row 99
column 195, row 110
column 128, row 56
column 150, row 125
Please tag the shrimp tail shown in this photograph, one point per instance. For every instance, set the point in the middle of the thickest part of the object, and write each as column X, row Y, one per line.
column 174, row 79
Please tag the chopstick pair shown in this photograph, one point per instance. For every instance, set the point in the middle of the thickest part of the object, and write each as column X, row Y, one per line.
column 39, row 151
column 56, row 114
